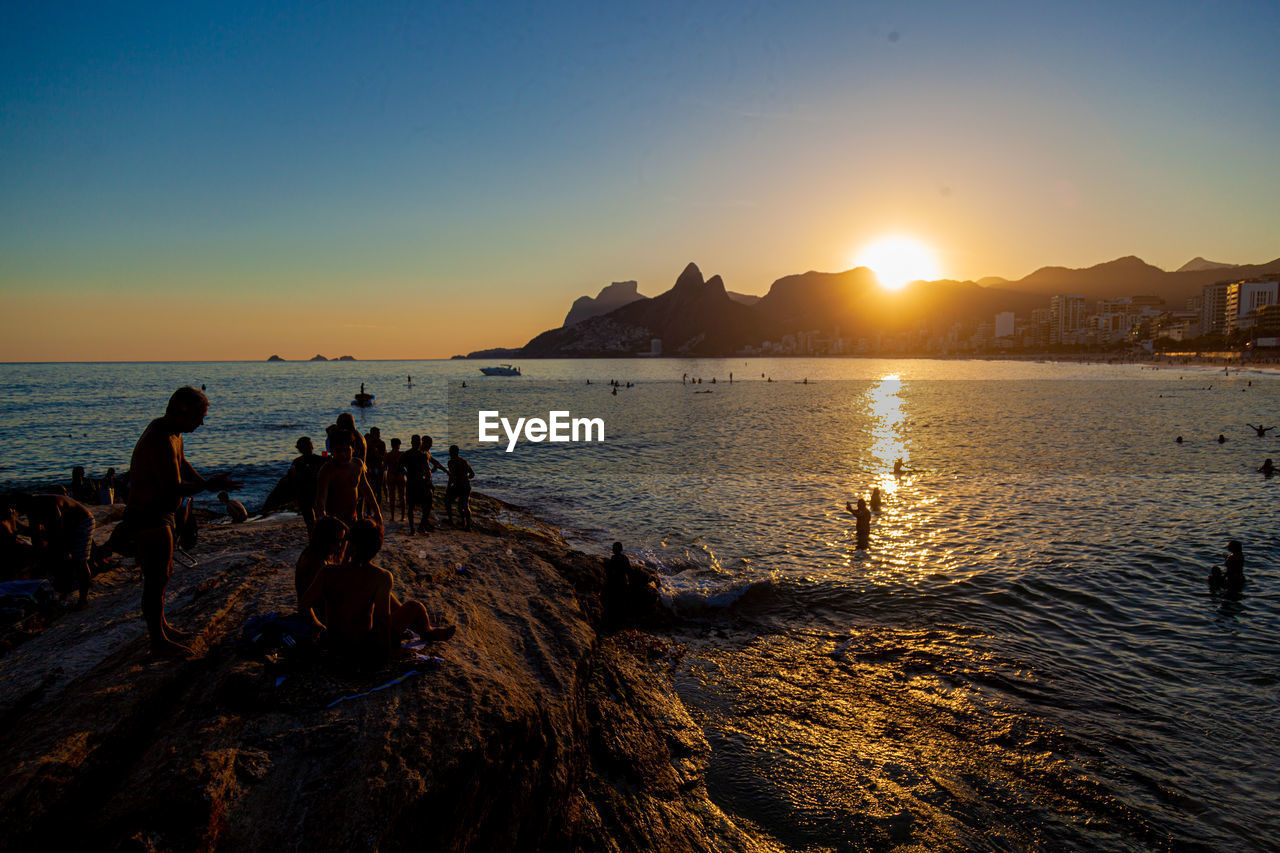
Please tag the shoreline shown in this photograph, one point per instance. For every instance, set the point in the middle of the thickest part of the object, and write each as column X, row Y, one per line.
column 539, row 730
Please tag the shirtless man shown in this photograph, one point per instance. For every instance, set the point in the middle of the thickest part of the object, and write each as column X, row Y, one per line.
column 62, row 536
column 459, row 488
column 395, row 478
column 159, row 478
column 364, row 617
column 235, row 510
column 414, row 463
column 341, row 485
column 1260, row 429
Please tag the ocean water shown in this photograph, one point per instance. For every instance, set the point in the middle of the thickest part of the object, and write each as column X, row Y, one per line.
column 1026, row 656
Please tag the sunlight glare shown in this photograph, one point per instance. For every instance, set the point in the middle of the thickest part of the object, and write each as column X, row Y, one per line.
column 898, row 260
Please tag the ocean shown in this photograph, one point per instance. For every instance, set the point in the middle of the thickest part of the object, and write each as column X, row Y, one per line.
column 1025, row 657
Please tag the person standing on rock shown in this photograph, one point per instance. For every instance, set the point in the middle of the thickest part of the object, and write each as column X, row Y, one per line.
column 159, row 478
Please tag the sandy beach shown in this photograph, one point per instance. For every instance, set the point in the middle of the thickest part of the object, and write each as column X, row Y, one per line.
column 535, row 730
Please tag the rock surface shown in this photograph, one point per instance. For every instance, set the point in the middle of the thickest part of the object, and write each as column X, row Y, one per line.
column 536, row 733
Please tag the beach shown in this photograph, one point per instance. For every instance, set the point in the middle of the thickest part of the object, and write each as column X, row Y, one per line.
column 535, row 730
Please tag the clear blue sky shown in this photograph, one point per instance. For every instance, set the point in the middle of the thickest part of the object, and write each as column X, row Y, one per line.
column 321, row 172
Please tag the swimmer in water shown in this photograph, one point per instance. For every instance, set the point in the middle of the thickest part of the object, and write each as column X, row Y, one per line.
column 1267, row 469
column 1222, row 439
column 897, row 467
column 875, row 500
column 1260, row 430
column 862, row 520
column 1178, row 439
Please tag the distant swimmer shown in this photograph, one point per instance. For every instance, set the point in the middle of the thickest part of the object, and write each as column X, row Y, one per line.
column 875, row 500
column 615, row 390
column 1267, row 468
column 1222, row 439
column 1232, row 581
column 897, row 467
column 862, row 520
column 1178, row 439
column 1260, row 430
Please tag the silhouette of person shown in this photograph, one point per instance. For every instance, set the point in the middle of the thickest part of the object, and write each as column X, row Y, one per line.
column 159, row 478
column 897, row 467
column 1267, row 468
column 1178, row 439
column 1222, row 439
column 1260, row 430
column 862, row 519
column 875, row 500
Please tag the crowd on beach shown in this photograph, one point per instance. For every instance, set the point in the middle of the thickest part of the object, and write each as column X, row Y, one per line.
column 344, row 599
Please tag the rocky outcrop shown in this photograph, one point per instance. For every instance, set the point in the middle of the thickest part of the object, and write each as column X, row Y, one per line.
column 535, row 733
column 275, row 358
column 694, row 317
column 614, row 296
column 318, row 357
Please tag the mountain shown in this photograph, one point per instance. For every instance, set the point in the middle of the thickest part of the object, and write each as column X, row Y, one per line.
column 696, row 317
column 744, row 298
column 608, row 299
column 1198, row 263
column 1130, row 276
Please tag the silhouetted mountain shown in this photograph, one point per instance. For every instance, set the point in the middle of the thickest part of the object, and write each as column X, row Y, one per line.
column 991, row 281
column 743, row 298
column 700, row 317
column 608, row 299
column 1130, row 276
column 1198, row 263
column 693, row 317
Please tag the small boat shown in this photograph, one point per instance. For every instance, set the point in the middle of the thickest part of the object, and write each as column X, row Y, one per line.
column 363, row 400
column 501, row 370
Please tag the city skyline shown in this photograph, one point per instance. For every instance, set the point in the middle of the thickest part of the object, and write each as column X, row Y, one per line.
column 421, row 182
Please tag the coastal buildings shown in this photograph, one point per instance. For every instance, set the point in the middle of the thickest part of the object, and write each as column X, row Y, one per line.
column 1244, row 298
column 1066, row 319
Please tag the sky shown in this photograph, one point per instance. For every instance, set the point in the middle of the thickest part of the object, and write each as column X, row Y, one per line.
column 413, row 180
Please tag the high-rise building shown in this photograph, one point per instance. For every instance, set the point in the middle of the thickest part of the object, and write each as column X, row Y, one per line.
column 1004, row 324
column 1066, row 315
column 1244, row 298
column 1213, row 308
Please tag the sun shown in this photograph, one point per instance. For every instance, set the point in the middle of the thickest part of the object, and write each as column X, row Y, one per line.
column 898, row 260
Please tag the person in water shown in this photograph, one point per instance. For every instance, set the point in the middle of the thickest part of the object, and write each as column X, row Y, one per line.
column 875, row 500
column 1232, row 581
column 1260, row 430
column 1268, row 468
column 159, row 479
column 862, row 519
column 1222, row 439
column 459, row 487
column 897, row 467
column 364, row 617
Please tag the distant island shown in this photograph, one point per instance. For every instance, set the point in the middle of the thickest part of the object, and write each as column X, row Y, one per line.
column 318, row 357
column 275, row 358
column 1122, row 303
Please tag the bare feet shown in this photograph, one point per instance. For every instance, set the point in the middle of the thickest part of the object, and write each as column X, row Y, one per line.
column 440, row 632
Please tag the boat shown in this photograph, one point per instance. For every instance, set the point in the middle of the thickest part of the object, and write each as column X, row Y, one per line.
column 363, row 401
column 501, row 370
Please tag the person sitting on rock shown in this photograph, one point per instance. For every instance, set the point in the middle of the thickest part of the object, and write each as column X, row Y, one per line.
column 62, row 537
column 235, row 510
column 630, row 590
column 364, row 618
column 326, row 548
